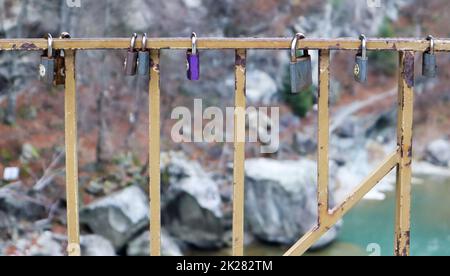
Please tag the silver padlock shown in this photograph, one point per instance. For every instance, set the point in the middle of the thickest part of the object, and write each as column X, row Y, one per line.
column 144, row 58
column 130, row 64
column 429, row 65
column 300, row 67
column 361, row 62
column 47, row 66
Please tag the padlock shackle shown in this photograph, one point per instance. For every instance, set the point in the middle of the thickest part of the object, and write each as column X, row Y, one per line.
column 65, row 35
column 133, row 41
column 294, row 46
column 144, row 41
column 363, row 39
column 432, row 44
column 49, row 45
column 194, row 43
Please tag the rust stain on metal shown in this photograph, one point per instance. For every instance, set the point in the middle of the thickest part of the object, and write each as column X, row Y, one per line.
column 408, row 69
column 26, row 46
column 241, row 61
column 407, row 239
column 155, row 66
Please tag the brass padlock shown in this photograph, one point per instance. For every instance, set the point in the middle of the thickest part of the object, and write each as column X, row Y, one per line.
column 47, row 66
column 144, row 58
column 429, row 65
column 361, row 62
column 300, row 67
column 60, row 63
column 130, row 64
column 60, row 68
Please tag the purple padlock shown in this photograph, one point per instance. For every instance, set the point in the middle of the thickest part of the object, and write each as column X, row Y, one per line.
column 193, row 61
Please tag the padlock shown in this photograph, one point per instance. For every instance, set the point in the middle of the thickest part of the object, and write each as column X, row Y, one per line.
column 300, row 67
column 47, row 66
column 193, row 60
column 144, row 58
column 60, row 69
column 429, row 66
column 361, row 62
column 60, row 63
column 130, row 64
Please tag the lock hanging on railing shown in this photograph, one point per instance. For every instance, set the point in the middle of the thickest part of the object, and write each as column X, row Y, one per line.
column 60, row 63
column 130, row 64
column 144, row 58
column 47, row 66
column 193, row 60
column 361, row 62
column 429, row 65
column 301, row 67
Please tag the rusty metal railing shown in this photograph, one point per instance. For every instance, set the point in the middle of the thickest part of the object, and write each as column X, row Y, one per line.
column 401, row 158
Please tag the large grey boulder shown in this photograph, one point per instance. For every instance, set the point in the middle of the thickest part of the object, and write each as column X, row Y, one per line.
column 118, row 217
column 281, row 200
column 141, row 245
column 16, row 200
column 7, row 226
column 96, row 246
column 438, row 153
column 193, row 207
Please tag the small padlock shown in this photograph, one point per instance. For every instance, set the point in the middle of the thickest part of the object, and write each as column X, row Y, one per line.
column 60, row 63
column 130, row 64
column 429, row 66
column 47, row 66
column 193, row 60
column 144, row 58
column 361, row 62
column 60, row 68
column 301, row 67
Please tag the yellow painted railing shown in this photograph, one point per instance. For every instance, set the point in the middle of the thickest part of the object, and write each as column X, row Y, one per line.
column 400, row 159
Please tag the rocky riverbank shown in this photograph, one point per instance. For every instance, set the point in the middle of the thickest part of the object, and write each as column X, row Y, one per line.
column 280, row 204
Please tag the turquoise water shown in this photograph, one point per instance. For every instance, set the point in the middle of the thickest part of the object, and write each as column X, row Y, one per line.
column 373, row 222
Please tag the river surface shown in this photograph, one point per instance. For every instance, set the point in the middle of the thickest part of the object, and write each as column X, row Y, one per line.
column 369, row 227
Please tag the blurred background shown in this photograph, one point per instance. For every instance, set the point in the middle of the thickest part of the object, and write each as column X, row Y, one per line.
column 197, row 177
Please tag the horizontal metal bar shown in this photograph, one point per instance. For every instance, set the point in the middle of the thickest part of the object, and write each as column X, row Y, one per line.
column 393, row 44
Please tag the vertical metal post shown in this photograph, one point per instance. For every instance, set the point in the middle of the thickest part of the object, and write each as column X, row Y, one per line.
column 70, row 104
column 239, row 154
column 323, row 134
column 154, row 155
column 405, row 125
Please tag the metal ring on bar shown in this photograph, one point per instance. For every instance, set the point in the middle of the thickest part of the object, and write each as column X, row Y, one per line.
column 294, row 45
column 432, row 44
column 194, row 43
column 133, row 41
column 144, row 42
column 363, row 39
column 49, row 45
